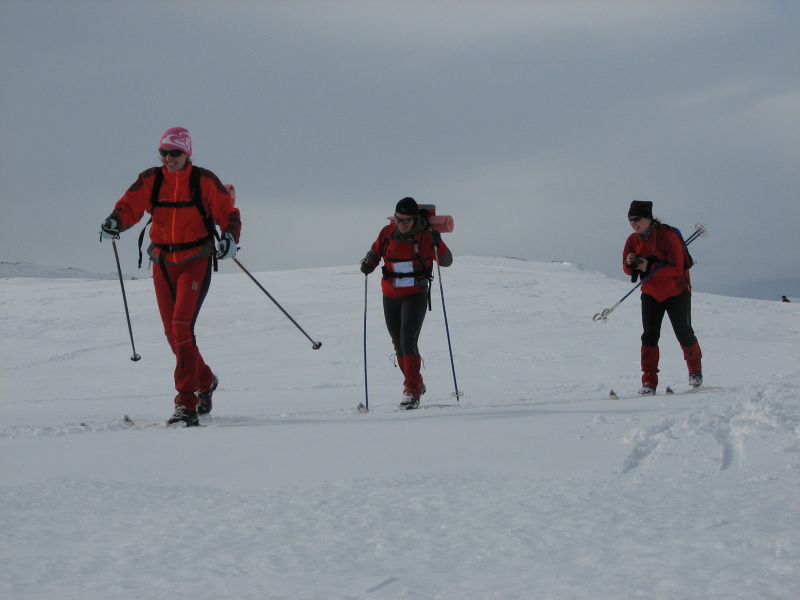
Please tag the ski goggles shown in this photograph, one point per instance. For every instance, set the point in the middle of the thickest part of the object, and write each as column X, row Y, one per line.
column 173, row 153
column 635, row 219
column 404, row 221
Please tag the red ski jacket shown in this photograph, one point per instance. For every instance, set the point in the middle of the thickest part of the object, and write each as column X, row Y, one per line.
column 412, row 254
column 663, row 245
column 182, row 224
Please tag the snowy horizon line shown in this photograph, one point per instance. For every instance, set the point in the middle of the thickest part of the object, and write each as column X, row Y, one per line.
column 9, row 269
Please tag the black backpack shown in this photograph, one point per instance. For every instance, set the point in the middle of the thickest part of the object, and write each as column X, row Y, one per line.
column 688, row 261
column 196, row 201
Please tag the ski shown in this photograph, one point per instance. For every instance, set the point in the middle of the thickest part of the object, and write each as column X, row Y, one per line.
column 692, row 389
column 402, row 408
column 128, row 422
column 425, row 406
column 612, row 395
column 131, row 423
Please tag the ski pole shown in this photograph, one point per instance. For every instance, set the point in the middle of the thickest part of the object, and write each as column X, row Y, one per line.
column 700, row 231
column 315, row 345
column 364, row 408
column 135, row 357
column 457, row 394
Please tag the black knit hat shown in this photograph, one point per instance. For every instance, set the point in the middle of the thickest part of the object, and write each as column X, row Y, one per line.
column 407, row 206
column 641, row 208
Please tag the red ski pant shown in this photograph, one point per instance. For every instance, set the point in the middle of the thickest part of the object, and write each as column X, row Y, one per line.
column 180, row 291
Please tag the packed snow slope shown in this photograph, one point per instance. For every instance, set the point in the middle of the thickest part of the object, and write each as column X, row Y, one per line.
column 534, row 485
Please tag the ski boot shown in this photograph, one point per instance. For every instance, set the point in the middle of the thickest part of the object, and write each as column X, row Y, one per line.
column 184, row 415
column 409, row 401
column 204, row 404
column 695, row 380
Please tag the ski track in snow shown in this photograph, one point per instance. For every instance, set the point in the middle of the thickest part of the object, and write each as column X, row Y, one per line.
column 729, row 425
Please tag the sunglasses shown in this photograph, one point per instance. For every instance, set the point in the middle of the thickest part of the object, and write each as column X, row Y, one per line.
column 403, row 221
column 172, row 153
column 635, row 219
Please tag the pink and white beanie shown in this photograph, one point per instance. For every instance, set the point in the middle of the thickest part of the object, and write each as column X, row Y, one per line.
column 176, row 138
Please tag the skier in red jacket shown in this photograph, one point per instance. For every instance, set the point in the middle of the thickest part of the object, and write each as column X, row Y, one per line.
column 667, row 291
column 406, row 246
column 189, row 202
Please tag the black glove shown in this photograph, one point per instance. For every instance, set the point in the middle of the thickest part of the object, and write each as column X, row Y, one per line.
column 436, row 237
column 652, row 262
column 643, row 264
column 366, row 268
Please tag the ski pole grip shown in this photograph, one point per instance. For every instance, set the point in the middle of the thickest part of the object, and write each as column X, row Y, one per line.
column 441, row 223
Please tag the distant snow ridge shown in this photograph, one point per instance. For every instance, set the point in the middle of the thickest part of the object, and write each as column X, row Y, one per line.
column 24, row 269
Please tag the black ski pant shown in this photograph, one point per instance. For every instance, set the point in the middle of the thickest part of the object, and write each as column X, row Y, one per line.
column 679, row 310
column 404, row 318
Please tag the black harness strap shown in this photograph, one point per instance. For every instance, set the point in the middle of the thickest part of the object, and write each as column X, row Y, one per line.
column 163, row 266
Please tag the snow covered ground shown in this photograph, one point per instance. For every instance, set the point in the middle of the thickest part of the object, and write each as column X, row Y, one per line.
column 534, row 485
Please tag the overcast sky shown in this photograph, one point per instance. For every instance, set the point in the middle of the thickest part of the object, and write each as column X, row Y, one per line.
column 534, row 124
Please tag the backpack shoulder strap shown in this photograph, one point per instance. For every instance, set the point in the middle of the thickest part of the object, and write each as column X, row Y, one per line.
column 386, row 236
column 158, row 179
column 688, row 261
column 197, row 200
